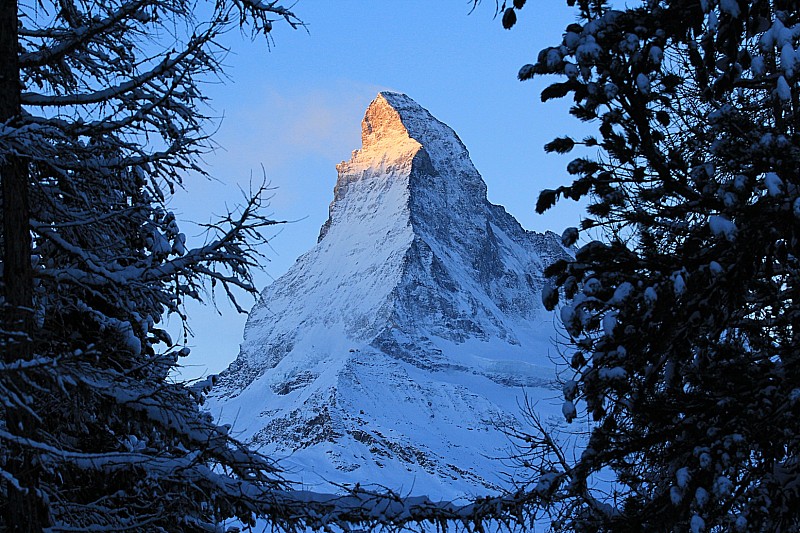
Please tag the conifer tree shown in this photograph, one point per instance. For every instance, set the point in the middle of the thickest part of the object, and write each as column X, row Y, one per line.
column 101, row 117
column 682, row 304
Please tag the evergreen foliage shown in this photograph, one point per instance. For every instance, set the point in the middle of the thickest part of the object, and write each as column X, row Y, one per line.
column 682, row 318
column 101, row 118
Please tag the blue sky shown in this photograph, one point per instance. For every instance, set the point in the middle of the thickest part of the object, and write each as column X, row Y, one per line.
column 294, row 110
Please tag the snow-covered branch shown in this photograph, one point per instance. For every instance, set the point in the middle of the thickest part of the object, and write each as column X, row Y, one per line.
column 107, row 123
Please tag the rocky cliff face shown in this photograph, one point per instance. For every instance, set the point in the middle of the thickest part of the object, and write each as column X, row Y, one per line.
column 392, row 350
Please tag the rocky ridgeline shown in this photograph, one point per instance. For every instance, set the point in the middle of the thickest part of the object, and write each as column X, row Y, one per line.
column 394, row 350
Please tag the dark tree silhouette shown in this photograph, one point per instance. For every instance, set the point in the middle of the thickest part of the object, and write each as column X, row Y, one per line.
column 100, row 118
column 682, row 315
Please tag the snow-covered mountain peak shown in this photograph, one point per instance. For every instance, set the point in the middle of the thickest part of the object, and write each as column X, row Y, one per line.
column 396, row 132
column 389, row 351
column 383, row 125
column 394, row 118
column 404, row 146
column 391, row 112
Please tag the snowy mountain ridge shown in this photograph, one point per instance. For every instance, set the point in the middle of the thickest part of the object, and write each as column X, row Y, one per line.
column 391, row 351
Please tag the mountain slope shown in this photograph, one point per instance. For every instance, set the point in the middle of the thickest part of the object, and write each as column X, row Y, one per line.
column 390, row 351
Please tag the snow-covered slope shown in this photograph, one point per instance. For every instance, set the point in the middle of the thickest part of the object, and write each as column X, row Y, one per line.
column 391, row 351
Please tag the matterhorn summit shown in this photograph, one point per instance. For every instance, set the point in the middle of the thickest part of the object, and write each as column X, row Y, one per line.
column 392, row 352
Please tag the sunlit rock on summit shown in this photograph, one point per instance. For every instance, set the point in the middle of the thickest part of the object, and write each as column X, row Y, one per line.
column 391, row 351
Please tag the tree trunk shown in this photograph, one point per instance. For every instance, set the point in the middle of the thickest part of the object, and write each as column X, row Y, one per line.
column 17, row 276
column 25, row 510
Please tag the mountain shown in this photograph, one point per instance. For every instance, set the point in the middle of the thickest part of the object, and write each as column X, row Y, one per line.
column 393, row 350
